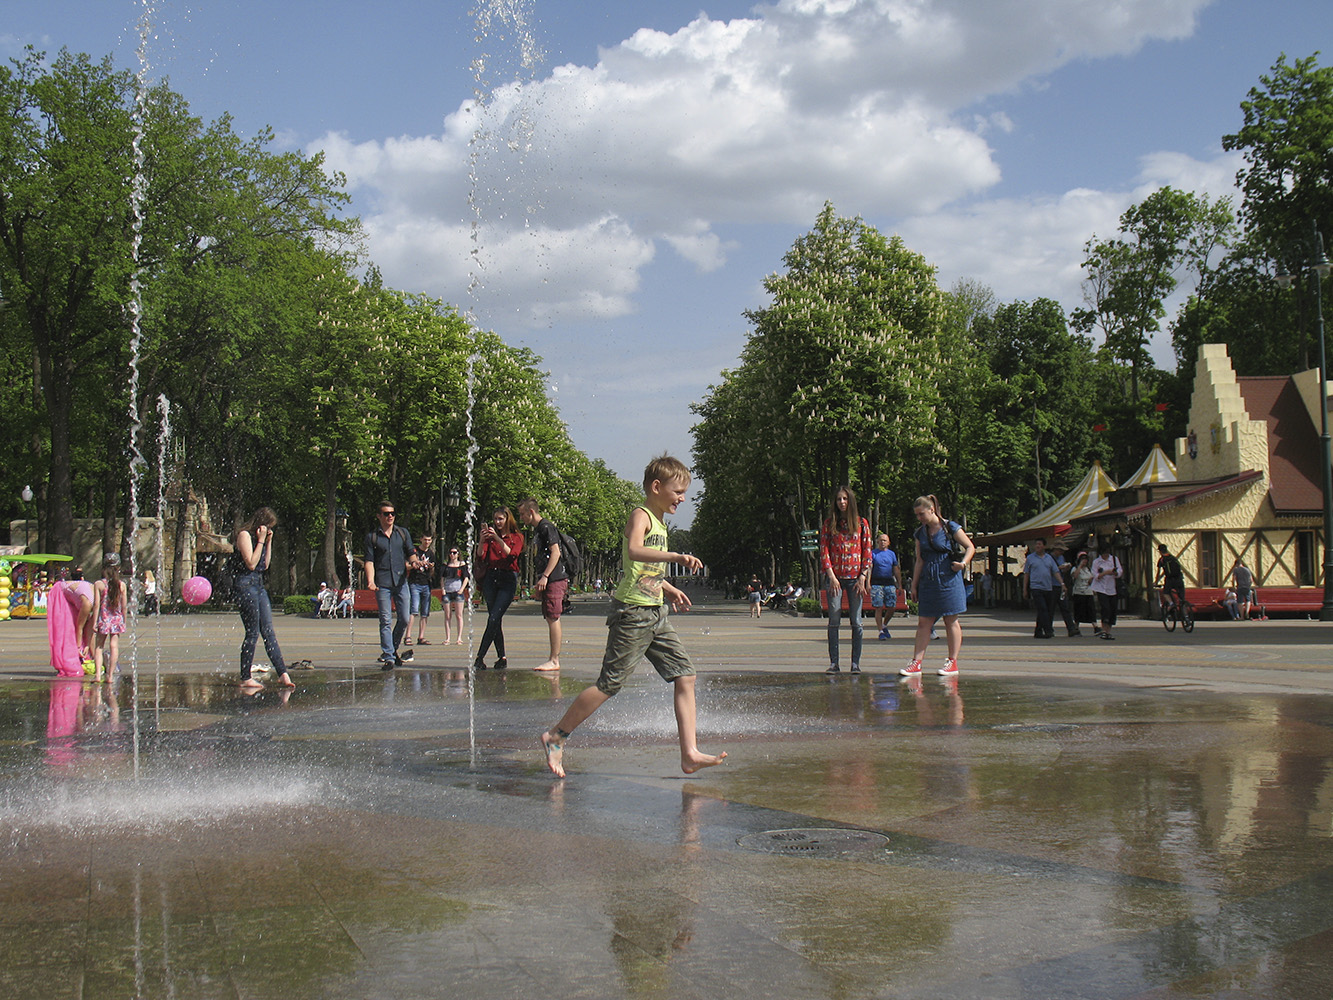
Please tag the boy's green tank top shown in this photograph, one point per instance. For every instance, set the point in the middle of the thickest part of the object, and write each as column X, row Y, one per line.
column 641, row 582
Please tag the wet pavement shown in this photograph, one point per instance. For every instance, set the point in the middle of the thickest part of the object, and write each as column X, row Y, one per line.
column 1145, row 818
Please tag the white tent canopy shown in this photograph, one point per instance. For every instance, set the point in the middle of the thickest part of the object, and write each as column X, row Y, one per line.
column 1088, row 497
column 1156, row 468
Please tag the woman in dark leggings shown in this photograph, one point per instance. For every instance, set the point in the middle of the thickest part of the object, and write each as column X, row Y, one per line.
column 252, row 552
column 497, row 559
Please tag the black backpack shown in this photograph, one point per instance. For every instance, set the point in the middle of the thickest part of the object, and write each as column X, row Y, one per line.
column 570, row 554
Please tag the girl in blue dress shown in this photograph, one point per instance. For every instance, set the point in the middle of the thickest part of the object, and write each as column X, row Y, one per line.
column 937, row 583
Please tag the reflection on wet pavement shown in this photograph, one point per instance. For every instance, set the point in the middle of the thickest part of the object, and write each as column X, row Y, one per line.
column 1034, row 839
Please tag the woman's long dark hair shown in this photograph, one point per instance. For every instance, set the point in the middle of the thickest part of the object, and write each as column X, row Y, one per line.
column 264, row 516
column 835, row 522
column 115, row 587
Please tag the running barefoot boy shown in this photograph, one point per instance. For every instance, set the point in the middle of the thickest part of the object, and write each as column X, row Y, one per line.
column 638, row 623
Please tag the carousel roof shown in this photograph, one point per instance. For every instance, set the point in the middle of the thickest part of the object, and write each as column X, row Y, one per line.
column 1156, row 468
column 1089, row 496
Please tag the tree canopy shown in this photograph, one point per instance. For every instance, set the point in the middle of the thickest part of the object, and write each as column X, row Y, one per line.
column 295, row 379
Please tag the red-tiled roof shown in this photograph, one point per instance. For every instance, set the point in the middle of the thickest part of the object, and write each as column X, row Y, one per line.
column 1293, row 443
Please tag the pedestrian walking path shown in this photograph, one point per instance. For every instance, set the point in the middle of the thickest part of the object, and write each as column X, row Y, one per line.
column 1067, row 819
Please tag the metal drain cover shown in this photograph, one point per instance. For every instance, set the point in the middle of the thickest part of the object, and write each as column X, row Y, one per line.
column 815, row 842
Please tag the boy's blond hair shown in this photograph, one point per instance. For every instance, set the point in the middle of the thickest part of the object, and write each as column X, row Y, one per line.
column 665, row 469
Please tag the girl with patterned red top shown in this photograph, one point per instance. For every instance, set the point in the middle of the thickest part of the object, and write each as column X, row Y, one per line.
column 844, row 556
column 497, row 569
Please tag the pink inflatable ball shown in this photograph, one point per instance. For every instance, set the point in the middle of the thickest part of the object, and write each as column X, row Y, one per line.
column 196, row 590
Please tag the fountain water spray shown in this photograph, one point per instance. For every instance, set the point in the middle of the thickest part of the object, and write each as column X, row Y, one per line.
column 138, row 186
column 492, row 18
column 163, row 435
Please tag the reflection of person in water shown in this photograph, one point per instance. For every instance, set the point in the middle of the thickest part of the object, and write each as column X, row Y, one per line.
column 62, row 719
column 652, row 926
column 948, row 781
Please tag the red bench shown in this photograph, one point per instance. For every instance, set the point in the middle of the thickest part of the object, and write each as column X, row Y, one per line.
column 1281, row 600
column 364, row 602
column 865, row 608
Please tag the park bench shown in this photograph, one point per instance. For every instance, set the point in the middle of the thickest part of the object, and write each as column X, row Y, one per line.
column 1266, row 600
column 866, row 609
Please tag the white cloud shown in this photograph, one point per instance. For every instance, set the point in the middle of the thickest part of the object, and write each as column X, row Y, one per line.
column 754, row 120
column 1026, row 248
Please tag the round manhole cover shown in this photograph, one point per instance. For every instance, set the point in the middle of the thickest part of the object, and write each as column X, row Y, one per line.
column 815, row 842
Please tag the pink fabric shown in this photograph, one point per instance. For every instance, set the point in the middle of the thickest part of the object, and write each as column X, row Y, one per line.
column 62, row 622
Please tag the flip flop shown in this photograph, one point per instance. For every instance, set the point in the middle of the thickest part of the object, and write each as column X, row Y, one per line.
column 423, row 642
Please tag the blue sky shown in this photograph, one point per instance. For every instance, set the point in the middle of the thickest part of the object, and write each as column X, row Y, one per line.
column 639, row 181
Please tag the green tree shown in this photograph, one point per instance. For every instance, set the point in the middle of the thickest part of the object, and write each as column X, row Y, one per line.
column 1034, row 435
column 1167, row 235
column 1287, row 142
column 838, row 383
column 1287, row 182
column 216, row 210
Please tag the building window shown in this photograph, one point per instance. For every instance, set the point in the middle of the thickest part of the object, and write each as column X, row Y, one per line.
column 1305, row 564
column 1208, row 575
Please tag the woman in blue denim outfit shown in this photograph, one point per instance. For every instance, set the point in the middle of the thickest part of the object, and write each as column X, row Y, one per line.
column 251, row 555
column 943, row 551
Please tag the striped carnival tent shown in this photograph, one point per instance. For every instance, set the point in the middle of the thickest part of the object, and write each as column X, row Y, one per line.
column 1156, row 468
column 1088, row 497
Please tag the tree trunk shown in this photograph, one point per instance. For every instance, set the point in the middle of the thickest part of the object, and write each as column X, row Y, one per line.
column 330, row 526
column 291, row 562
column 109, row 516
column 129, row 537
column 59, row 503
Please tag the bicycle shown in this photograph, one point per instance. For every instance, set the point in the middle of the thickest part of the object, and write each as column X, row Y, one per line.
column 1178, row 611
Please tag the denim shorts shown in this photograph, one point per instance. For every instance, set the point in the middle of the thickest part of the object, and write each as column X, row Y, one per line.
column 419, row 599
column 638, row 632
column 883, row 595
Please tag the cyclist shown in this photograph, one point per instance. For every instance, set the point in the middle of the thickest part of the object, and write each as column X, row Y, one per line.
column 1172, row 578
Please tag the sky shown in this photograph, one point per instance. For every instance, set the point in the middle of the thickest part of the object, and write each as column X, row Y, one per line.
column 609, row 183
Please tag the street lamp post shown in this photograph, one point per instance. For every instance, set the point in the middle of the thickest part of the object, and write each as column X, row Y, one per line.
column 1318, row 267
column 26, row 496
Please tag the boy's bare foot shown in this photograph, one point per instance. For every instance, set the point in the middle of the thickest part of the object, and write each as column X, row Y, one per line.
column 548, row 665
column 250, row 684
column 286, row 681
column 555, row 752
column 698, row 761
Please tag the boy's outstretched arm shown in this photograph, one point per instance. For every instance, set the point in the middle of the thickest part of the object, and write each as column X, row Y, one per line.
column 679, row 600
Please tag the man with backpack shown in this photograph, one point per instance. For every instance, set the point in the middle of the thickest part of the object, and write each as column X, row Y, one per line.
column 553, row 581
column 1171, row 575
